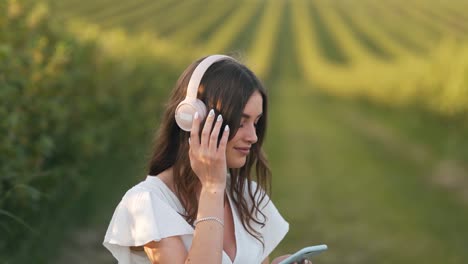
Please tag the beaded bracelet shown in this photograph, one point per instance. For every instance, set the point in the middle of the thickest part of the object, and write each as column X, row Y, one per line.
column 208, row 219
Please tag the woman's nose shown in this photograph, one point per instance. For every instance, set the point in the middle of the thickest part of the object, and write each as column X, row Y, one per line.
column 252, row 134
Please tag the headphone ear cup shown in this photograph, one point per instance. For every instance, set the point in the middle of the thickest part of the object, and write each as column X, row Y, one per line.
column 186, row 110
column 191, row 104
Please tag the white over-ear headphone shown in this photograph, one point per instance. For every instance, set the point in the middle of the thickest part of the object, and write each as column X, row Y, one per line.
column 191, row 104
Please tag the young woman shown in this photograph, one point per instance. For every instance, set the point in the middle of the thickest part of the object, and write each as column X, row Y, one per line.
column 205, row 197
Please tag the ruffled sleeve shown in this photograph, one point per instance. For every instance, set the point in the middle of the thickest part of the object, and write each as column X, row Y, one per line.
column 141, row 216
column 275, row 227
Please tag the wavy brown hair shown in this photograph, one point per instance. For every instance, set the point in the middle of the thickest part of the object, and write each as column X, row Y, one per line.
column 225, row 87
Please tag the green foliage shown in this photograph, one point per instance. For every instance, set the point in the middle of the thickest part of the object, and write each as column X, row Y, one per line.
column 38, row 112
column 364, row 178
column 62, row 103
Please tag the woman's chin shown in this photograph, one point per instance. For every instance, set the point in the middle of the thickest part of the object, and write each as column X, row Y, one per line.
column 236, row 164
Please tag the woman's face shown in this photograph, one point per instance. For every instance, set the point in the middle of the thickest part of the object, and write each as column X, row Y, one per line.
column 238, row 147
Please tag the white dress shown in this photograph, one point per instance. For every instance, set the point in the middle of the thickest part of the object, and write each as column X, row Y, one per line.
column 150, row 211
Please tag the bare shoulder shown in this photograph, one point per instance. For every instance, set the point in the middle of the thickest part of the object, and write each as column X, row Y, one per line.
column 167, row 250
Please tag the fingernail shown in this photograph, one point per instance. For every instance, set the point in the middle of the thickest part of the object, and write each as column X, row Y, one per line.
column 219, row 118
column 189, row 141
column 211, row 112
column 195, row 116
column 226, row 128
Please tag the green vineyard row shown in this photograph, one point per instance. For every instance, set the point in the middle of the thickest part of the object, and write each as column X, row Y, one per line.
column 392, row 52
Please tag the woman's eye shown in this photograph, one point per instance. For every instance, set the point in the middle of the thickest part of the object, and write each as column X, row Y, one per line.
column 242, row 125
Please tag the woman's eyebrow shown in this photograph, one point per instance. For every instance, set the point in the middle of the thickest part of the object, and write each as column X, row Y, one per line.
column 248, row 116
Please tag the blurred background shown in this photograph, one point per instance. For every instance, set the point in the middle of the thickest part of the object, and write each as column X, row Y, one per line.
column 367, row 134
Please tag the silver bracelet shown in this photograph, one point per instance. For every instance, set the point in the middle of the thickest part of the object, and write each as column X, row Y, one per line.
column 209, row 218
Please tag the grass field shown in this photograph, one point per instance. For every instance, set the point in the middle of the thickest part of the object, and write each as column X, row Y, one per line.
column 374, row 166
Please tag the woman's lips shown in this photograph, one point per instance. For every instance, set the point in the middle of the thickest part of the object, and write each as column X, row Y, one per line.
column 244, row 151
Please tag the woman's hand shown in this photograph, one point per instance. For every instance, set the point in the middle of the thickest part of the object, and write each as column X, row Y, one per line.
column 208, row 160
column 281, row 258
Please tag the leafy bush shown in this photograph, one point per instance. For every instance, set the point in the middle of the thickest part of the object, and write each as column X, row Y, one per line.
column 62, row 103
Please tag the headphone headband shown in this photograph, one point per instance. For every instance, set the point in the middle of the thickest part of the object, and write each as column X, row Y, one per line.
column 199, row 71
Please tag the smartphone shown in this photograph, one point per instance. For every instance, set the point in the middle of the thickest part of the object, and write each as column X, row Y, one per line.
column 304, row 253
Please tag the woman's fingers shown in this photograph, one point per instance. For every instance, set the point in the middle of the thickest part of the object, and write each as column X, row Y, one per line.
column 194, row 139
column 205, row 136
column 224, row 140
column 213, row 145
column 209, row 137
